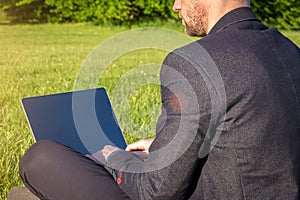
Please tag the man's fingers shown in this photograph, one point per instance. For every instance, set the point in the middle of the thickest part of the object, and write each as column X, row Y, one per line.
column 101, row 156
column 141, row 145
column 137, row 146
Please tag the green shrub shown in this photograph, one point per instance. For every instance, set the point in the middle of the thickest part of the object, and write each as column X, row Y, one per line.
column 278, row 13
column 113, row 11
column 26, row 11
column 70, row 10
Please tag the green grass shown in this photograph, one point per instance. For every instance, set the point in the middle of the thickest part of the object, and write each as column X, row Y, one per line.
column 45, row 59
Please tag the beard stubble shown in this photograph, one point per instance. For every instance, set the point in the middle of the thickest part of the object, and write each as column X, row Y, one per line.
column 197, row 22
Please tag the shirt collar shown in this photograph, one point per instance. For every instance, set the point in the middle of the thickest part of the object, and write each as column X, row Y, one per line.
column 233, row 17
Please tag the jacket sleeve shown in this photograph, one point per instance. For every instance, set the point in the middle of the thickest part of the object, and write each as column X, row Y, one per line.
column 173, row 167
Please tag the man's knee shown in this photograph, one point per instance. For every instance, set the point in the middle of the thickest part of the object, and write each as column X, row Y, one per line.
column 36, row 158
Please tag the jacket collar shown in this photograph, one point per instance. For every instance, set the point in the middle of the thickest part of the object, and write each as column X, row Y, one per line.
column 233, row 17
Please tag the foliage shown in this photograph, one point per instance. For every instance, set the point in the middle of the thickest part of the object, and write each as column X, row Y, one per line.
column 32, row 11
column 278, row 13
column 64, row 11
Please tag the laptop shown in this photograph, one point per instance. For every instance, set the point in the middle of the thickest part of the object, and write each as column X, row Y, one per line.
column 83, row 120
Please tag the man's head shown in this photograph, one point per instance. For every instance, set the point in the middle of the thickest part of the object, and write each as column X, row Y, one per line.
column 199, row 16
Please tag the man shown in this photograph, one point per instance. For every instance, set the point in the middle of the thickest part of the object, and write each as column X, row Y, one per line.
column 246, row 147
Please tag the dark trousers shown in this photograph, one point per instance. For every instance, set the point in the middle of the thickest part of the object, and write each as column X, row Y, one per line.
column 55, row 172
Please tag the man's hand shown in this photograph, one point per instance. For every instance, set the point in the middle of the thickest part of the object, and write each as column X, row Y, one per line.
column 101, row 156
column 140, row 148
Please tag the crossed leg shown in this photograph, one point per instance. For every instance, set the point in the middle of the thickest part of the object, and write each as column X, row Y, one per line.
column 55, row 172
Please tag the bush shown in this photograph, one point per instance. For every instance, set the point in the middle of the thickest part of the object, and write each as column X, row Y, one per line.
column 109, row 11
column 113, row 11
column 277, row 13
column 70, row 10
column 26, row 11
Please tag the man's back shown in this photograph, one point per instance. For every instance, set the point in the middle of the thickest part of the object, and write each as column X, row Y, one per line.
column 257, row 155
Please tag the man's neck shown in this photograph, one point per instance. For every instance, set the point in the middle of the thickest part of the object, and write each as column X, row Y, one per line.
column 218, row 10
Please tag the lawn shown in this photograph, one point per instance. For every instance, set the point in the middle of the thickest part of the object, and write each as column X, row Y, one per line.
column 44, row 59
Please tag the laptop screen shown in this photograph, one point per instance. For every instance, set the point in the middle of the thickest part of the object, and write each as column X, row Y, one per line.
column 83, row 120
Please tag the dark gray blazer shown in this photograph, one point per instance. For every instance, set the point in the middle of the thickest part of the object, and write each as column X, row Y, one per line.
column 229, row 127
